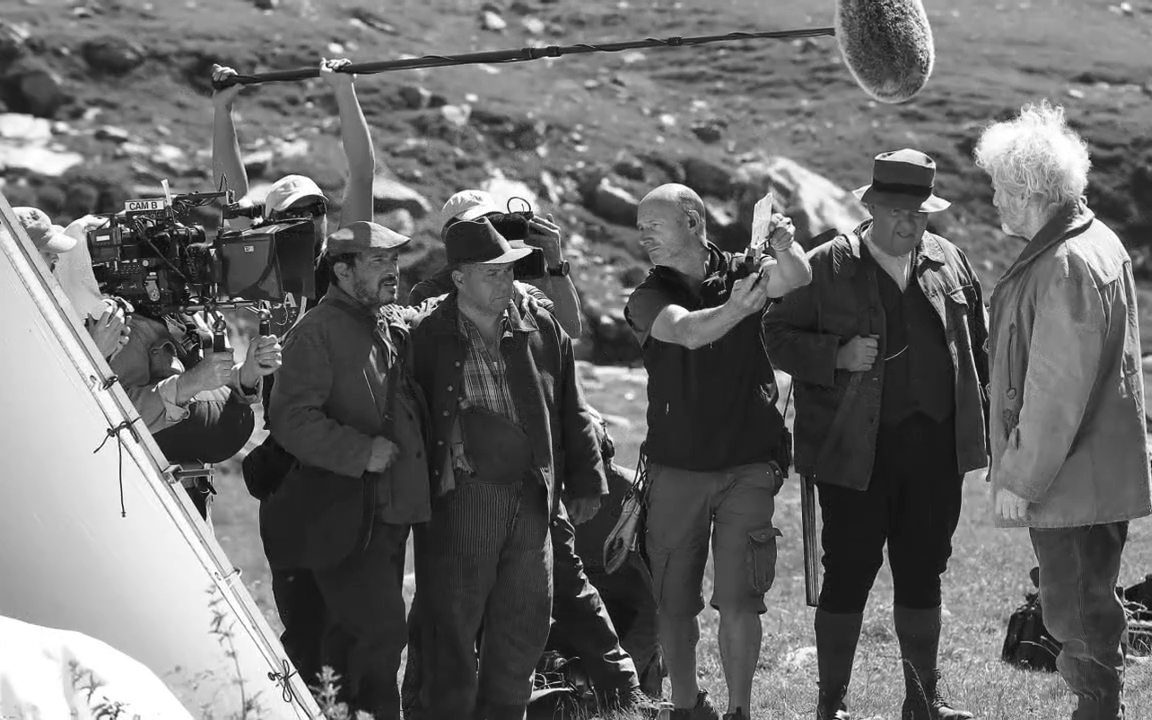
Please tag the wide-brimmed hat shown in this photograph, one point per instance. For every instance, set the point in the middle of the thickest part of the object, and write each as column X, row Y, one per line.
column 476, row 241
column 903, row 179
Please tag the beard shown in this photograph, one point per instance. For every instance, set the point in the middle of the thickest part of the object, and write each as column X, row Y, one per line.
column 374, row 294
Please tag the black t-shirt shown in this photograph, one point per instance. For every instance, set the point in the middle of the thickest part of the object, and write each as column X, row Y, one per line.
column 714, row 407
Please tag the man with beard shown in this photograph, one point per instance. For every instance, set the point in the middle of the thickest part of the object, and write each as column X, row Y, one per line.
column 345, row 406
column 510, row 439
column 886, row 347
column 1069, row 450
column 716, row 443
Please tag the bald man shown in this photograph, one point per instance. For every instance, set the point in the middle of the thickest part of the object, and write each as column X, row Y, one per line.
column 716, row 445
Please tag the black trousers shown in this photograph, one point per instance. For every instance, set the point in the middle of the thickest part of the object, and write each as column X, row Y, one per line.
column 912, row 504
column 365, row 630
column 302, row 612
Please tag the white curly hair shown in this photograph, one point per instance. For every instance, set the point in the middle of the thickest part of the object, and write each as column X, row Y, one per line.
column 1036, row 154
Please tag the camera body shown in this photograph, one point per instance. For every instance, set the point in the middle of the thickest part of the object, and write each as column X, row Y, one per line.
column 148, row 256
column 515, row 228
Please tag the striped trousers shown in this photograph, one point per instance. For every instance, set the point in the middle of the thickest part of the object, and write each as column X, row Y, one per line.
column 484, row 559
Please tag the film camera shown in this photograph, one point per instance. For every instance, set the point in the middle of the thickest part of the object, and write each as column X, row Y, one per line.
column 149, row 256
column 515, row 227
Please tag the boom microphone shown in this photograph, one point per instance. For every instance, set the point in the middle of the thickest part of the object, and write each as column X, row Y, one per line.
column 887, row 45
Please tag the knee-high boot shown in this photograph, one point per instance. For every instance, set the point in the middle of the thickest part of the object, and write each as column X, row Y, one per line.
column 919, row 634
column 836, row 638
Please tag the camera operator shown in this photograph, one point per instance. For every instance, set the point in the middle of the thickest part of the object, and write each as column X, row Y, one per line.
column 66, row 255
column 196, row 404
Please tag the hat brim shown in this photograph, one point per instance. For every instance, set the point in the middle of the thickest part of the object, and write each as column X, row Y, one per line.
column 931, row 204
column 476, row 212
column 290, row 200
column 509, row 257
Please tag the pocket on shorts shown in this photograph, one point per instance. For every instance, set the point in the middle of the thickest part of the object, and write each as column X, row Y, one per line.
column 761, row 558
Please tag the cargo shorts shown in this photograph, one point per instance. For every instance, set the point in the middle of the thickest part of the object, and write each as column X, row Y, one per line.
column 735, row 508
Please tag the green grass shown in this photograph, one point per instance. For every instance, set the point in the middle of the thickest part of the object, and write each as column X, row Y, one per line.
column 986, row 581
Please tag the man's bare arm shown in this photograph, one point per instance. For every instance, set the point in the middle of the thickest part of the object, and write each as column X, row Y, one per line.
column 677, row 325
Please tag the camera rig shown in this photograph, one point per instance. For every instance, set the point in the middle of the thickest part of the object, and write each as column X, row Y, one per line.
column 149, row 255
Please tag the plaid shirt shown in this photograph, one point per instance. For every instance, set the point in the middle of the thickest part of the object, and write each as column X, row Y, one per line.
column 485, row 382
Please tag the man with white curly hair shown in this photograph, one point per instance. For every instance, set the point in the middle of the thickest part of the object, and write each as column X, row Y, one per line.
column 1069, row 456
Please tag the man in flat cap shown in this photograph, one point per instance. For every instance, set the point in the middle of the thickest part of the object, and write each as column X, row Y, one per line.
column 345, row 406
column 507, row 413
column 886, row 347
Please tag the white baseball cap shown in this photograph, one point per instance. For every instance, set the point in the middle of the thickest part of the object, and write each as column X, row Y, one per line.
column 287, row 190
column 469, row 205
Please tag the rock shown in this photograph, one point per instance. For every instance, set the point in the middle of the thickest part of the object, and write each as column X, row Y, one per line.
column 111, row 133
column 814, row 203
column 390, row 194
column 399, row 220
column 289, row 149
column 31, row 87
column 13, row 39
column 668, row 121
column 492, row 21
column 504, row 190
column 37, row 159
column 629, row 167
column 256, row 163
column 709, row 132
column 266, row 4
column 707, row 177
column 457, row 115
column 614, row 203
column 171, row 158
column 534, row 26
column 112, row 55
column 25, row 128
column 415, row 97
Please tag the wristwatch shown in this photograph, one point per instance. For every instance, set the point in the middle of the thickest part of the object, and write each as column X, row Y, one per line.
column 561, row 271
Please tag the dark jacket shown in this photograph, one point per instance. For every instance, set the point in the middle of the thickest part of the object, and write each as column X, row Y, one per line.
column 338, row 388
column 837, row 411
column 550, row 404
column 1068, row 428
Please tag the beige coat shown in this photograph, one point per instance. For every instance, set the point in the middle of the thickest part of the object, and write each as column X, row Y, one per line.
column 1067, row 392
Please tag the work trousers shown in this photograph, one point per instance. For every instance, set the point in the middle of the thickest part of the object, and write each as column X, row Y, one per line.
column 1079, row 568
column 484, row 559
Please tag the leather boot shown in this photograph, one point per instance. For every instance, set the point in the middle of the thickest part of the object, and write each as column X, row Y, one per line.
column 836, row 637
column 919, row 634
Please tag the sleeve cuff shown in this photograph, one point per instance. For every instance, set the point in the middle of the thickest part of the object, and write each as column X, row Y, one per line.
column 173, row 411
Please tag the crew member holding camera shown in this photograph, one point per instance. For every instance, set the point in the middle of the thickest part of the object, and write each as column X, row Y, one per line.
column 886, row 347
column 716, row 444
column 553, row 287
column 196, row 404
column 345, row 406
